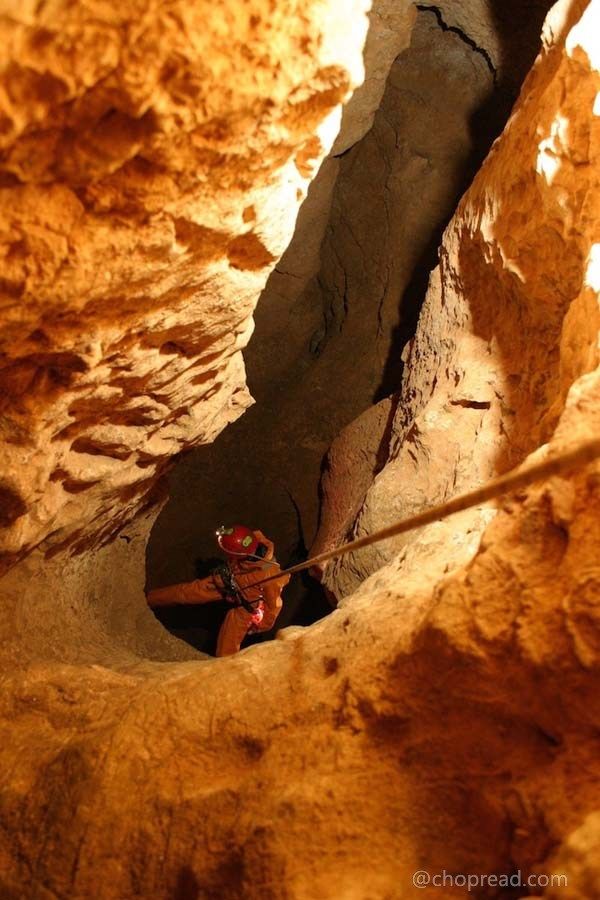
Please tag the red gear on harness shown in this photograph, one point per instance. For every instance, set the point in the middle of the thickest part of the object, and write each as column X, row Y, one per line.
column 257, row 616
column 233, row 593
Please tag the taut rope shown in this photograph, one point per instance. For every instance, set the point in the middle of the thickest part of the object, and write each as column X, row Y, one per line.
column 579, row 456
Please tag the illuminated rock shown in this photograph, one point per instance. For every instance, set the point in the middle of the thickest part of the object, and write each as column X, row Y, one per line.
column 153, row 162
column 428, row 724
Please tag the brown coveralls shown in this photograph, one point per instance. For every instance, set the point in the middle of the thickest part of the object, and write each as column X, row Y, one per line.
column 238, row 620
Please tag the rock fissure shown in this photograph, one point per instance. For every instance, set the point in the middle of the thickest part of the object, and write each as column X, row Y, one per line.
column 437, row 12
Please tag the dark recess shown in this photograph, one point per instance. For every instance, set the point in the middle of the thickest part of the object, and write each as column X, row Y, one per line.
column 519, row 26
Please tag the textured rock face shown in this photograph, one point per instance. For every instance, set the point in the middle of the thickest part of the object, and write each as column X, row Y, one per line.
column 152, row 161
column 486, row 374
column 449, row 726
column 282, row 374
column 355, row 458
column 346, row 292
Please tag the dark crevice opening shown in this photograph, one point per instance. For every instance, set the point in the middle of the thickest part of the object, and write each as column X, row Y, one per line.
column 487, row 124
column 437, row 12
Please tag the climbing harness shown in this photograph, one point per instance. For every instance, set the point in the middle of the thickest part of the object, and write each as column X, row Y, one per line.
column 234, row 594
column 580, row 455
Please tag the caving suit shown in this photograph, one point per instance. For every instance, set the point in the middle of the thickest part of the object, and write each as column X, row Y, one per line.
column 238, row 620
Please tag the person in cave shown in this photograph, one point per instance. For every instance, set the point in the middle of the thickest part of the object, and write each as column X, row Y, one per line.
column 249, row 559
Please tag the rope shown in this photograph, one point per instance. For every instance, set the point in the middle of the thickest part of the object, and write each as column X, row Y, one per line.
column 581, row 455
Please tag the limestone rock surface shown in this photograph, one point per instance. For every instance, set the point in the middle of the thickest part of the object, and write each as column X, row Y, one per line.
column 390, row 26
column 487, row 373
column 152, row 160
column 448, row 724
column 353, row 461
column 345, row 295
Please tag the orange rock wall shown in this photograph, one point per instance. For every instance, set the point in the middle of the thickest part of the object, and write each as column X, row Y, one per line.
column 152, row 161
column 509, row 322
column 431, row 723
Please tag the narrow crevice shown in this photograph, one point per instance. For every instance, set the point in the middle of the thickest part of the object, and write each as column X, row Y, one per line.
column 461, row 34
column 471, row 404
column 345, row 152
column 289, row 274
column 301, row 545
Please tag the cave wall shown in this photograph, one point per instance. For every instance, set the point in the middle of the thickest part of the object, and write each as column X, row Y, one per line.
column 266, row 468
column 153, row 160
column 347, row 291
column 420, row 726
column 484, row 378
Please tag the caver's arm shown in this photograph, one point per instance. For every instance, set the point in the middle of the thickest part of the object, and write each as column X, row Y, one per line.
column 203, row 590
column 272, row 596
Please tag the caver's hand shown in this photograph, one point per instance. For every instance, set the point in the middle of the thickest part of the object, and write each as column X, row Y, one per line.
column 260, row 537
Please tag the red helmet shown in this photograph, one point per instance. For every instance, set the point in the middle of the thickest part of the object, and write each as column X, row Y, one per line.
column 237, row 540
